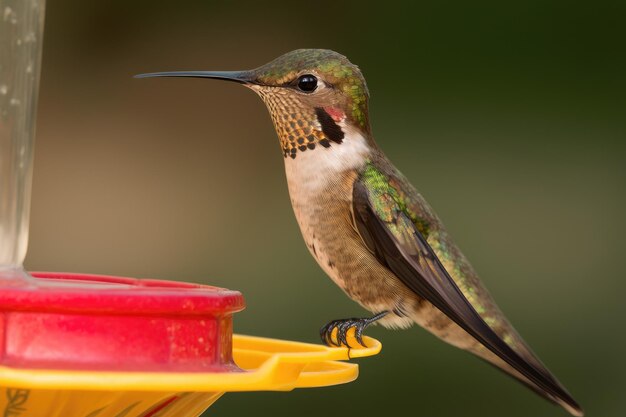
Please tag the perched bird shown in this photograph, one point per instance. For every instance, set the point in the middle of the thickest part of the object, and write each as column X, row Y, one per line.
column 368, row 227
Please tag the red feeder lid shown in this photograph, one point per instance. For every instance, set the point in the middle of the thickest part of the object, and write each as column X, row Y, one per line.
column 77, row 321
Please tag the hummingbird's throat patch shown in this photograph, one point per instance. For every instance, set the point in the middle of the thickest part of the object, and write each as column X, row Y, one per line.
column 328, row 120
column 303, row 129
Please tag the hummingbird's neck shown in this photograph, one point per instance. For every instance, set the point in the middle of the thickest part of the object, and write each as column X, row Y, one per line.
column 314, row 171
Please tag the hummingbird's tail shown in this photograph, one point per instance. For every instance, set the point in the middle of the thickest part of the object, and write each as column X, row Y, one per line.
column 564, row 400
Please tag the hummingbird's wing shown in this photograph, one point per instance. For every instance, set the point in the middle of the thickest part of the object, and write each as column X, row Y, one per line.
column 391, row 230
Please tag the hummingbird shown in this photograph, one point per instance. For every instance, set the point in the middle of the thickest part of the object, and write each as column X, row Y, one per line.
column 367, row 227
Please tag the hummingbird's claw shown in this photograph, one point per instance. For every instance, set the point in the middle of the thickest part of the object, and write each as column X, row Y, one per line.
column 358, row 334
column 326, row 333
column 343, row 327
column 342, row 332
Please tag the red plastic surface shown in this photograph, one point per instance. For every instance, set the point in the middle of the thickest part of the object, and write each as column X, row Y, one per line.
column 76, row 321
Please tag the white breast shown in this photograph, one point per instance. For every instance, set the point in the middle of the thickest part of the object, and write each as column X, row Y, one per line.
column 310, row 172
column 315, row 179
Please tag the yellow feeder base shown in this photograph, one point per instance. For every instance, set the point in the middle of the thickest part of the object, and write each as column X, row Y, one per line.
column 270, row 365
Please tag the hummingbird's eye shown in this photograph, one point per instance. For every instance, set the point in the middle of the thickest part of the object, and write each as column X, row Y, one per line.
column 307, row 83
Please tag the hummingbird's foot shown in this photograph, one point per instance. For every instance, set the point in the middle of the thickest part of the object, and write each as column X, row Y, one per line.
column 343, row 326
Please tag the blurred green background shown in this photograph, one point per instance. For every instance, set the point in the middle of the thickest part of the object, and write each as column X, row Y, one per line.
column 510, row 118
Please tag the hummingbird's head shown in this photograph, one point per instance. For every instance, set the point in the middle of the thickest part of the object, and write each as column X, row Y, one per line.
column 315, row 97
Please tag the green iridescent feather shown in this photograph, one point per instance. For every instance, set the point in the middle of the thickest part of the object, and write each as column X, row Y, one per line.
column 389, row 196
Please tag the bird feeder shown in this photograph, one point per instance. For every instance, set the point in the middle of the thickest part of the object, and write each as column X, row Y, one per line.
column 100, row 346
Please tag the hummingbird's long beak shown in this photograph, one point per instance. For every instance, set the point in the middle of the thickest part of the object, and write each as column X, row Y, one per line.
column 242, row 77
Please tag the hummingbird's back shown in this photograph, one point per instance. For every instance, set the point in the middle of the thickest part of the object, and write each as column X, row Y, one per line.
column 473, row 289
